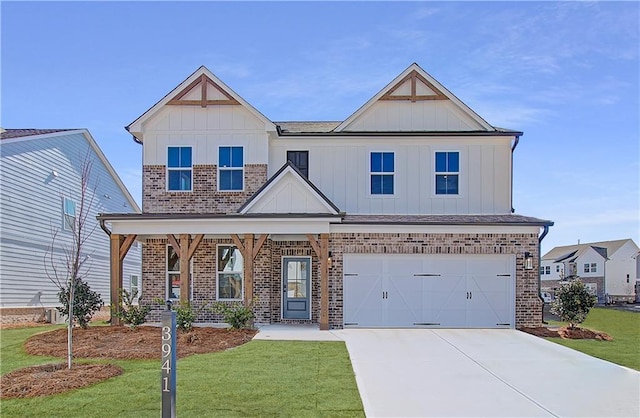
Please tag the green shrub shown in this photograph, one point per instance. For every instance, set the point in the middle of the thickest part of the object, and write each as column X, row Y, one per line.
column 573, row 302
column 185, row 316
column 86, row 302
column 236, row 314
column 130, row 313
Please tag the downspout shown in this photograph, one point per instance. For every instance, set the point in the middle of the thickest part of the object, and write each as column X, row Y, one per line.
column 103, row 226
column 545, row 231
column 513, row 148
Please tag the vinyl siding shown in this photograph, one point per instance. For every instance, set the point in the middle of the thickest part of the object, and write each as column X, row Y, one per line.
column 32, row 207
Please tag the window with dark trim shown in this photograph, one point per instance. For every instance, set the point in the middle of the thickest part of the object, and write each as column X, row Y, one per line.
column 300, row 159
column 382, row 169
column 447, row 172
column 230, row 168
column 179, row 166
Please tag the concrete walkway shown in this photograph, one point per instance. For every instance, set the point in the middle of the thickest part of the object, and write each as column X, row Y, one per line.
column 475, row 373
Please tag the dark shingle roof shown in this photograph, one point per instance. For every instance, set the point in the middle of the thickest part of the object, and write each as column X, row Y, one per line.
column 447, row 220
column 19, row 133
column 307, row 127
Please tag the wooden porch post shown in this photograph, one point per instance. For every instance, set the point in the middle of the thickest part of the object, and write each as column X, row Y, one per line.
column 248, row 269
column 119, row 247
column 185, row 275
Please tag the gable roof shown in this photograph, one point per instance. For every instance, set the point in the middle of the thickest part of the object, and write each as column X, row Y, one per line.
column 415, row 84
column 572, row 252
column 201, row 88
column 288, row 178
column 15, row 135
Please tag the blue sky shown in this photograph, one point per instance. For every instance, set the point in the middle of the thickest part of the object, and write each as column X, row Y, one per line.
column 565, row 73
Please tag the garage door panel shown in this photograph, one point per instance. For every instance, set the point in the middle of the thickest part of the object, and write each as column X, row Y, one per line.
column 363, row 294
column 404, row 302
column 446, row 305
column 490, row 301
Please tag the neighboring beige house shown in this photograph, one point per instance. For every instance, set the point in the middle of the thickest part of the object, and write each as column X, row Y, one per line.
column 609, row 268
column 398, row 216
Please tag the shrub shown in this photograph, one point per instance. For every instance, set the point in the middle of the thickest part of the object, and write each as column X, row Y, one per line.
column 86, row 302
column 131, row 314
column 573, row 302
column 185, row 316
column 236, row 314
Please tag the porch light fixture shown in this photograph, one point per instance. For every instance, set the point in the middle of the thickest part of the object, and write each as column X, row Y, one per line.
column 528, row 261
column 329, row 261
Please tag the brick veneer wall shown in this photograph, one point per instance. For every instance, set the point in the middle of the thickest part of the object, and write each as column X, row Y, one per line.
column 268, row 270
column 204, row 198
column 553, row 285
column 528, row 304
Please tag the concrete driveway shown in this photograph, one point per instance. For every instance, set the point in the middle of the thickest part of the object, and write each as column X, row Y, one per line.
column 484, row 373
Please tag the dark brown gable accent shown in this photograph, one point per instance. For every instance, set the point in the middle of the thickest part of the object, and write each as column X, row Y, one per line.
column 203, row 81
column 414, row 97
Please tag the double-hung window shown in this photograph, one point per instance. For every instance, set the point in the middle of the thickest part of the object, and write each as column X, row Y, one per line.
column 230, row 168
column 447, row 172
column 230, row 272
column 179, row 166
column 173, row 274
column 382, row 169
column 68, row 214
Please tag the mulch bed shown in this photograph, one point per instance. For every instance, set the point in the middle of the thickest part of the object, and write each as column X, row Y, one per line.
column 50, row 379
column 127, row 343
column 568, row 333
column 105, row 342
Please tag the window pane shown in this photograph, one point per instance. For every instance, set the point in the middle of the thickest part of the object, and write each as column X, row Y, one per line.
column 69, row 207
column 173, row 261
column 173, row 286
column 452, row 184
column 376, row 184
column 185, row 180
column 453, row 162
column 224, row 158
column 441, row 184
column 237, row 157
column 230, row 259
column 225, row 180
column 376, row 162
column 387, row 184
column 441, row 162
column 236, row 179
column 173, row 159
column 387, row 162
column 179, row 179
column 174, row 180
column 229, row 286
column 185, row 157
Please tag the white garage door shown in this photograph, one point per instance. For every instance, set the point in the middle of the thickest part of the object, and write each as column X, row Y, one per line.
column 470, row 291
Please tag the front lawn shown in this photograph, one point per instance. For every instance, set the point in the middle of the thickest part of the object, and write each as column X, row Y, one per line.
column 623, row 326
column 260, row 378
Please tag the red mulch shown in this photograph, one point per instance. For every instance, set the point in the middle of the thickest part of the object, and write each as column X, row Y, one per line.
column 105, row 342
column 568, row 333
column 50, row 379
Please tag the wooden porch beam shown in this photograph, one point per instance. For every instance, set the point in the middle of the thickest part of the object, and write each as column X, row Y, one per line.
column 259, row 244
column 174, row 243
column 126, row 245
column 248, row 269
column 184, row 267
column 194, row 245
column 314, row 245
column 115, row 244
column 236, row 240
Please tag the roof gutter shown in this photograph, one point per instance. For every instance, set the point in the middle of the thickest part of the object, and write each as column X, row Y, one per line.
column 513, row 148
column 103, row 225
column 134, row 137
column 545, row 231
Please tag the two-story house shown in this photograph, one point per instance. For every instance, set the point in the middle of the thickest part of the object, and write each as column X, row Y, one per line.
column 608, row 268
column 398, row 216
column 41, row 195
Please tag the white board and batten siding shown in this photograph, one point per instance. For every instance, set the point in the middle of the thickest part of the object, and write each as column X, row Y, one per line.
column 32, row 206
column 204, row 129
column 339, row 167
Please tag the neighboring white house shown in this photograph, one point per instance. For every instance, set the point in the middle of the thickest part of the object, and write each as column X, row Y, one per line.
column 40, row 193
column 609, row 268
column 399, row 215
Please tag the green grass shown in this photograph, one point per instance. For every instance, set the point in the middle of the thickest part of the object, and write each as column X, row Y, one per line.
column 260, row 378
column 623, row 326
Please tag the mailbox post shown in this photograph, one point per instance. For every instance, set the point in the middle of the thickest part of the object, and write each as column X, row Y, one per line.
column 168, row 368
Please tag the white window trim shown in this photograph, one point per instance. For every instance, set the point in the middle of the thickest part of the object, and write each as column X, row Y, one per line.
column 178, row 168
column 392, row 173
column 138, row 287
column 218, row 298
column 65, row 225
column 306, row 257
column 434, row 173
column 166, row 280
column 229, row 169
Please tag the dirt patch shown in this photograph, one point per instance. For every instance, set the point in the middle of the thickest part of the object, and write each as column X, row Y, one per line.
column 568, row 333
column 128, row 343
column 50, row 379
column 105, row 342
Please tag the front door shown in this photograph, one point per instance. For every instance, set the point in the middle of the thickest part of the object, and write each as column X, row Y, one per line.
column 296, row 287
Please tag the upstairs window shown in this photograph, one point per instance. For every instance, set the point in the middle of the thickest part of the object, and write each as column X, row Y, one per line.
column 590, row 267
column 382, row 169
column 300, row 159
column 179, row 166
column 68, row 214
column 547, row 269
column 230, row 168
column 447, row 172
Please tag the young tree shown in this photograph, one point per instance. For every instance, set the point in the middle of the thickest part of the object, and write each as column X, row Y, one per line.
column 68, row 268
column 573, row 302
